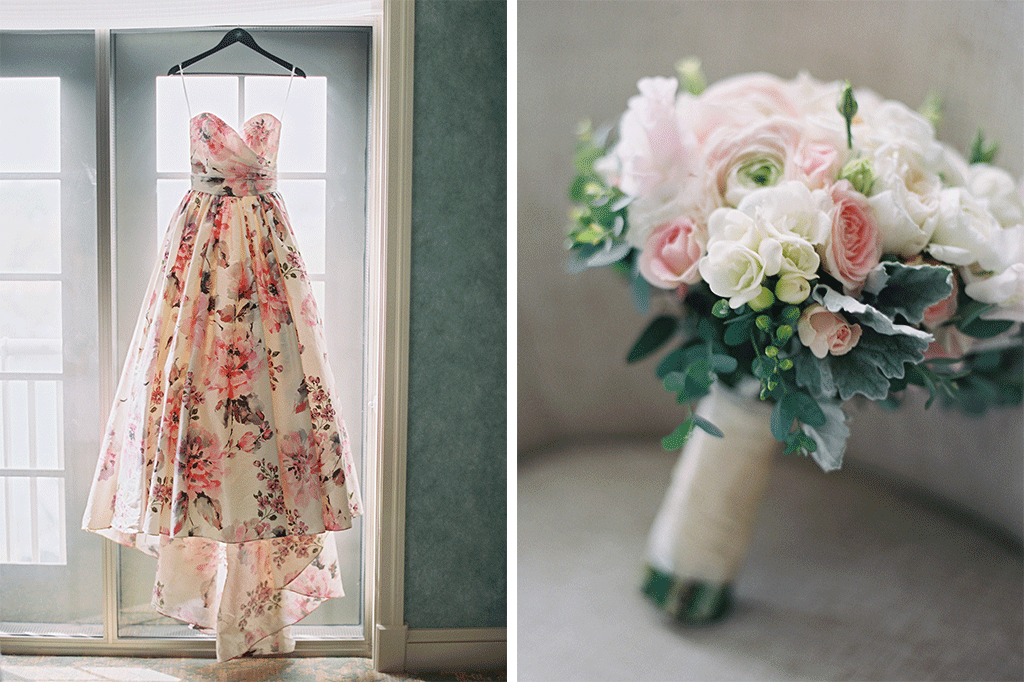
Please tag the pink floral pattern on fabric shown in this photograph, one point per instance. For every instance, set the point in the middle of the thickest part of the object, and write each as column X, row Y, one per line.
column 226, row 455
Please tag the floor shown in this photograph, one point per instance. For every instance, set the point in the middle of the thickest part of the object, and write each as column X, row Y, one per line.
column 103, row 669
column 848, row 578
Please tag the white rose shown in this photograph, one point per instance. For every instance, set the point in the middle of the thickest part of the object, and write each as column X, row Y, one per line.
column 965, row 233
column 733, row 271
column 996, row 191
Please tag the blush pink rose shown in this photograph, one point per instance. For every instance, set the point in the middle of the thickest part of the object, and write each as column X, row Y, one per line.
column 738, row 101
column 671, row 255
column 855, row 244
column 825, row 332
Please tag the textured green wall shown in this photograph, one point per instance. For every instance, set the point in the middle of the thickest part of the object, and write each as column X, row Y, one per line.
column 456, row 505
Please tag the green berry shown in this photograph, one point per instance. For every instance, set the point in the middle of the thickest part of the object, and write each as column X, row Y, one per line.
column 786, row 365
column 763, row 322
column 771, row 351
column 784, row 333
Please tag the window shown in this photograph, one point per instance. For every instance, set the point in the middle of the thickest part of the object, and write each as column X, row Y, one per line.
column 55, row 330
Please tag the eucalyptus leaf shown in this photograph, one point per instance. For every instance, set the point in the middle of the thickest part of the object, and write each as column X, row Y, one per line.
column 673, row 362
column 657, row 333
column 739, row 333
column 707, row 426
column 611, row 253
column 679, row 436
column 781, row 421
column 724, row 364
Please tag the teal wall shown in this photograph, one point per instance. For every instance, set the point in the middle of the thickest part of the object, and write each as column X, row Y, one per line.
column 456, row 505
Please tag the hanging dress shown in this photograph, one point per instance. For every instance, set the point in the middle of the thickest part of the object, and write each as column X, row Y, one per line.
column 225, row 455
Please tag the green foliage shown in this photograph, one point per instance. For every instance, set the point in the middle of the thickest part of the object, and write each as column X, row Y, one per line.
column 599, row 219
column 982, row 151
column 656, row 335
column 907, row 290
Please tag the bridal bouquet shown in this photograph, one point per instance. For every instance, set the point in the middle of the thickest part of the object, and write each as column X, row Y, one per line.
column 821, row 242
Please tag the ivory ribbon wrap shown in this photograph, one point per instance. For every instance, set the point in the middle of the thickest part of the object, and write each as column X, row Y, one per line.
column 701, row 533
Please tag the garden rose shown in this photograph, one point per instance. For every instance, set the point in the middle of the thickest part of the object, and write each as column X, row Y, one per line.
column 825, row 332
column 995, row 191
column 854, row 245
column 966, row 233
column 671, row 255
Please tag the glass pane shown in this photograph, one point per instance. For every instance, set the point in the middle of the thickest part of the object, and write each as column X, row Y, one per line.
column 14, row 404
column 304, row 124
column 30, row 125
column 216, row 94
column 18, row 531
column 307, row 210
column 168, row 197
column 50, row 519
column 47, row 417
column 30, row 320
column 31, row 227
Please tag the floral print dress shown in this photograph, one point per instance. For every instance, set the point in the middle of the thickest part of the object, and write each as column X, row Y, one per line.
column 226, row 456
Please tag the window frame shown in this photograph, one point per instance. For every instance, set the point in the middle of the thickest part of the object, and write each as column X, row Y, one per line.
column 388, row 241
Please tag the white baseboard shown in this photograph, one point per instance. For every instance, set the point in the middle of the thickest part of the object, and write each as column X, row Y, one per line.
column 456, row 649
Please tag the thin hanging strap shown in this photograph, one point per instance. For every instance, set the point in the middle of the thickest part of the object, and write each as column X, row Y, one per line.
column 286, row 94
column 181, row 72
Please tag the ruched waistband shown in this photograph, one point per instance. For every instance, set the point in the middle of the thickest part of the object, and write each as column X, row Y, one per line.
column 235, row 186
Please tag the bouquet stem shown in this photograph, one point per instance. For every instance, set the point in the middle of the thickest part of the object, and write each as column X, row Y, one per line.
column 703, row 529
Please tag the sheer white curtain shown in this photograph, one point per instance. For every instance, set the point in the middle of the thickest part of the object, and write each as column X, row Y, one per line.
column 91, row 14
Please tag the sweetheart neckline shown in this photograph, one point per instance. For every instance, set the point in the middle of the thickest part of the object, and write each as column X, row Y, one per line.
column 239, row 135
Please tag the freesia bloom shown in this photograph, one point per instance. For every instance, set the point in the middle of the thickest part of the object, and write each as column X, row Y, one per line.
column 733, row 271
column 671, row 255
column 854, row 245
column 825, row 332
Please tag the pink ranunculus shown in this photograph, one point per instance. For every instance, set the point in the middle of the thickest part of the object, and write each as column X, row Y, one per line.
column 854, row 246
column 739, row 161
column 671, row 255
column 815, row 163
column 826, row 332
column 738, row 101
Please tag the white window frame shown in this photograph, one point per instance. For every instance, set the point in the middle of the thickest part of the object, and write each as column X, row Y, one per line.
column 388, row 243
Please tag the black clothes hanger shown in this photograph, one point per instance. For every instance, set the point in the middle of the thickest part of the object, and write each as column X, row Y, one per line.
column 236, row 35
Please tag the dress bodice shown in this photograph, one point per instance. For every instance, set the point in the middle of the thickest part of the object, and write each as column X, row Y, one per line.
column 230, row 163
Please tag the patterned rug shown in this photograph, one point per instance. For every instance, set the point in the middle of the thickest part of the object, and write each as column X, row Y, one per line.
column 107, row 669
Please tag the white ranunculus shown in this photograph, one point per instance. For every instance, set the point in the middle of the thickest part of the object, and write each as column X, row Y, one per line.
column 995, row 190
column 904, row 199
column 965, row 233
column 733, row 271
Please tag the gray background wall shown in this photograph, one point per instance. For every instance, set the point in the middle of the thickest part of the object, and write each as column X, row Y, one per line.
column 456, row 506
